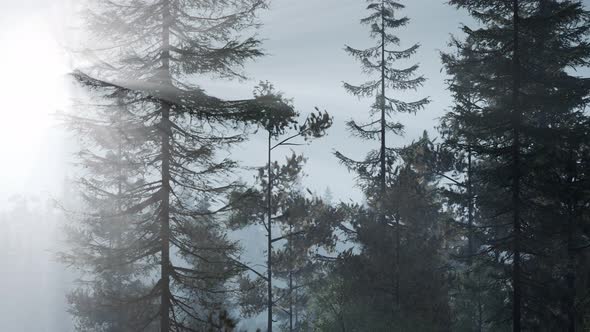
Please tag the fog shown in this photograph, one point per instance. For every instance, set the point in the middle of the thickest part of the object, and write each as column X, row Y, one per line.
column 304, row 41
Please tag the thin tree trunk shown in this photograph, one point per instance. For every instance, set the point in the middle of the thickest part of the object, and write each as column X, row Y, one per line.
column 571, row 278
column 475, row 296
column 165, row 222
column 165, row 130
column 269, row 232
column 296, row 305
column 290, row 277
column 470, row 208
column 479, row 309
column 383, row 163
column 382, row 176
column 516, row 118
column 117, row 241
column 571, row 263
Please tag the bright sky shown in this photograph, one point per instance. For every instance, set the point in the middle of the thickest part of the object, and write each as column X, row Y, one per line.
column 32, row 88
column 32, row 66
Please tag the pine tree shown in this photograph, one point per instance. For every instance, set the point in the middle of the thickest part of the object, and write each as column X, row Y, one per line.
column 306, row 225
column 314, row 126
column 506, row 128
column 380, row 229
column 379, row 60
column 366, row 276
column 560, row 132
column 103, row 243
column 456, row 165
column 275, row 181
column 376, row 171
column 474, row 295
column 153, row 49
column 496, row 128
column 299, row 221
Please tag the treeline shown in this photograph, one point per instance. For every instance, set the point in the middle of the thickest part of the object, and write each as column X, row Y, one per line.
column 483, row 229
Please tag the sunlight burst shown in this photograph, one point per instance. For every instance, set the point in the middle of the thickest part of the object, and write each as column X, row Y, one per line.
column 32, row 89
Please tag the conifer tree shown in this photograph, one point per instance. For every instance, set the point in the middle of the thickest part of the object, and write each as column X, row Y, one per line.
column 456, row 165
column 111, row 299
column 275, row 182
column 363, row 295
column 377, row 168
column 306, row 225
column 379, row 172
column 507, row 128
column 152, row 50
column 314, row 126
column 561, row 134
column 293, row 262
column 300, row 222
column 380, row 61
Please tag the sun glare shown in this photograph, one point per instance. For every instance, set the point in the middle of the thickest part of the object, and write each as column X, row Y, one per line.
column 32, row 89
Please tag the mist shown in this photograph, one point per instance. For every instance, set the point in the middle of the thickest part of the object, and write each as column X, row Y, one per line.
column 136, row 155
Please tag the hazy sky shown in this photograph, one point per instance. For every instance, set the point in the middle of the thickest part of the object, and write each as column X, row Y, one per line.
column 304, row 40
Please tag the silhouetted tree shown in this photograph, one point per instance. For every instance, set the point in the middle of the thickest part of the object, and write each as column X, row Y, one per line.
column 376, row 170
column 364, row 297
column 511, row 129
column 284, row 129
column 379, row 228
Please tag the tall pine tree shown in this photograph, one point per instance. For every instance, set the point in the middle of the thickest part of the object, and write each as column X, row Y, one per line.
column 276, row 180
column 381, row 229
column 364, row 278
column 152, row 50
column 510, row 129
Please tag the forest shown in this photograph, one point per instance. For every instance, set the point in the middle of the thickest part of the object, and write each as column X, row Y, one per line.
column 478, row 223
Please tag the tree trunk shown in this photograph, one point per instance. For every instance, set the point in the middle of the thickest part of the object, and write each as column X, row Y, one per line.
column 383, row 164
column 165, row 221
column 165, row 131
column 475, row 296
column 296, row 306
column 290, row 277
column 269, row 233
column 571, row 253
column 382, row 176
column 571, row 278
column 516, row 118
column 470, row 208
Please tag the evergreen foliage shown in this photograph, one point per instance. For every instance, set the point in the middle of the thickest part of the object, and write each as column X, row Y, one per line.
column 512, row 132
column 277, row 200
column 384, row 278
column 486, row 230
column 153, row 47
